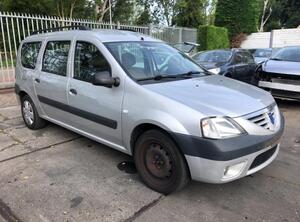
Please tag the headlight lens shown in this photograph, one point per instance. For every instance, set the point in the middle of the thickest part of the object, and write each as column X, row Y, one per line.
column 220, row 128
column 215, row 70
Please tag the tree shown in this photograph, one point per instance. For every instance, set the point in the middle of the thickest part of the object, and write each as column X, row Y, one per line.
column 29, row 6
column 190, row 13
column 266, row 13
column 61, row 8
column 123, row 11
column 144, row 17
column 285, row 14
column 65, row 8
column 239, row 16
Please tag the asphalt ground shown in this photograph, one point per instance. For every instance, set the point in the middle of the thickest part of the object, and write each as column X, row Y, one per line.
column 56, row 175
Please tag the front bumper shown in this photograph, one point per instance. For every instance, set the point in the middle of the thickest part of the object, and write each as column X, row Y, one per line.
column 212, row 171
column 209, row 160
column 282, row 90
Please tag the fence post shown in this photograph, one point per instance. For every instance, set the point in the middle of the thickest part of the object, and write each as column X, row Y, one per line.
column 150, row 29
column 271, row 39
column 118, row 25
column 180, row 34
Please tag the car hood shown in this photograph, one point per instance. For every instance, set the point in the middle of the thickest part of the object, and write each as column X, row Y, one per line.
column 211, row 65
column 282, row 67
column 215, row 95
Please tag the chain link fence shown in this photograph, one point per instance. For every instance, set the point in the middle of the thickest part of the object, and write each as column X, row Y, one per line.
column 14, row 27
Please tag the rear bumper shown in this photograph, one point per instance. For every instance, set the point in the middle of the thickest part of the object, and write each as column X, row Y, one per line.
column 212, row 171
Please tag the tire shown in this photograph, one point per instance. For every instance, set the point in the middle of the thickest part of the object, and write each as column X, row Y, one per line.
column 30, row 115
column 159, row 163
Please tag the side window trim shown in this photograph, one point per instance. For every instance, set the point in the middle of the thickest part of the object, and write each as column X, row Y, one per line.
column 74, row 57
column 68, row 57
column 37, row 57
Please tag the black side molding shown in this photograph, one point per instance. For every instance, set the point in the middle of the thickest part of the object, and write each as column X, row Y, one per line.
column 78, row 112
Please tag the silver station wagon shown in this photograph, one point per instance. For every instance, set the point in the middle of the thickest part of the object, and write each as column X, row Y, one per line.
column 143, row 97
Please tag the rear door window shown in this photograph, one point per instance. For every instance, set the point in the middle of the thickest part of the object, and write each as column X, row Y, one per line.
column 29, row 54
column 56, row 57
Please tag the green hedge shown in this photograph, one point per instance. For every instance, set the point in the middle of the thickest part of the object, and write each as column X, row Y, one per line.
column 212, row 37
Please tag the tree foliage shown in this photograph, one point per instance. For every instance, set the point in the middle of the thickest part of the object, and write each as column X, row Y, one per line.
column 212, row 37
column 144, row 17
column 190, row 13
column 61, row 8
column 239, row 16
column 285, row 14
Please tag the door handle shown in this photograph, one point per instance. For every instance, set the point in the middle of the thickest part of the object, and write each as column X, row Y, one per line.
column 37, row 80
column 73, row 91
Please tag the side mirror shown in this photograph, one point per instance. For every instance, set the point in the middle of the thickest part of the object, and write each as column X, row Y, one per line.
column 104, row 79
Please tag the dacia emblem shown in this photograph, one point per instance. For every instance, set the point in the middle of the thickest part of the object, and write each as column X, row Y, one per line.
column 271, row 117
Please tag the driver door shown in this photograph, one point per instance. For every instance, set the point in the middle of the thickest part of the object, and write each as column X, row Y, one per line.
column 96, row 110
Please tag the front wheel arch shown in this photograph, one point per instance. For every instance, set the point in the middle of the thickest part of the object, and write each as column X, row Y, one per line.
column 142, row 128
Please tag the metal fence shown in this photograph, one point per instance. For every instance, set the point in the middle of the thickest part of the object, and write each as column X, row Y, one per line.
column 14, row 27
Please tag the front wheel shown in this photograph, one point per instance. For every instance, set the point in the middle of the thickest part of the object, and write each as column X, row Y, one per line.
column 159, row 162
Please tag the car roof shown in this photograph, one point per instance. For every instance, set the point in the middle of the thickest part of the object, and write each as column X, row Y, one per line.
column 104, row 35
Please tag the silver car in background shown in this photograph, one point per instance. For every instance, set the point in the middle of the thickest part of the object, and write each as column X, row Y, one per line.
column 280, row 74
column 142, row 97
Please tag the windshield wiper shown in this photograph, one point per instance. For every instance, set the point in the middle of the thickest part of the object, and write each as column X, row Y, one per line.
column 160, row 77
column 157, row 77
column 188, row 74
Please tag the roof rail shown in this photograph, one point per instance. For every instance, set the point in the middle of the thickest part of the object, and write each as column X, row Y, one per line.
column 79, row 27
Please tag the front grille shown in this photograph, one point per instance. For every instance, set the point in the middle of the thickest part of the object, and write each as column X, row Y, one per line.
column 263, row 119
column 263, row 157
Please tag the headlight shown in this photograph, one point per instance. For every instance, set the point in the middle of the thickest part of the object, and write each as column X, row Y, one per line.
column 215, row 70
column 220, row 128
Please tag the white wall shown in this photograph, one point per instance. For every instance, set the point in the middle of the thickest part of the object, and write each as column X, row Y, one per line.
column 280, row 38
column 257, row 40
column 286, row 37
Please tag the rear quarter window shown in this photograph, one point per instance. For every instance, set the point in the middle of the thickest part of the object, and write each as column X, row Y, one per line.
column 29, row 54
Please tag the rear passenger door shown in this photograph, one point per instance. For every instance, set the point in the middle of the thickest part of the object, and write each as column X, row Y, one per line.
column 96, row 110
column 51, row 84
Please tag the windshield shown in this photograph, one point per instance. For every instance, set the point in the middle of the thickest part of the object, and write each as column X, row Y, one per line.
column 219, row 56
column 288, row 54
column 262, row 53
column 146, row 60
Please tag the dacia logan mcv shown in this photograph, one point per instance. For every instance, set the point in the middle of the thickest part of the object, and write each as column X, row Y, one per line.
column 143, row 97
